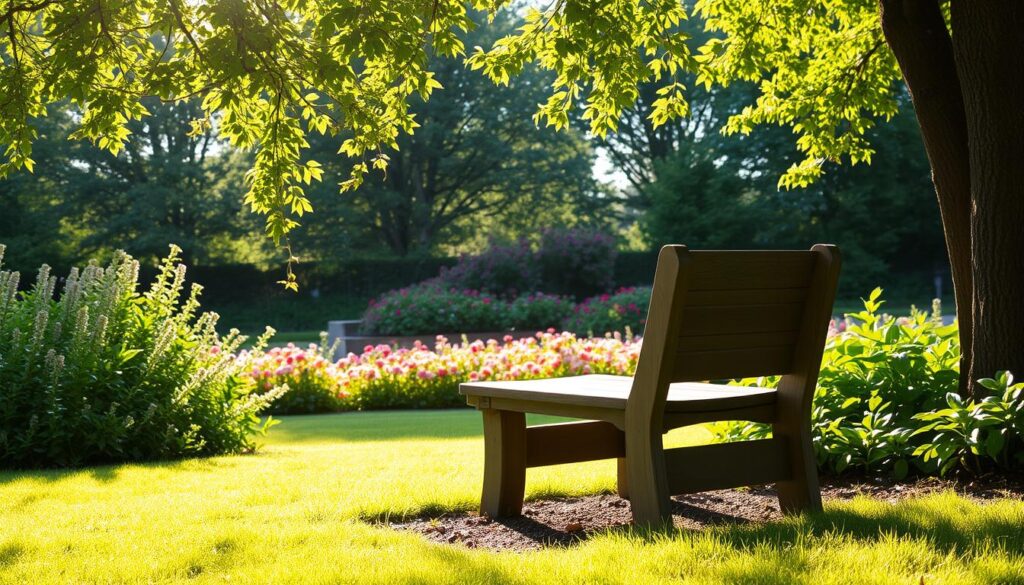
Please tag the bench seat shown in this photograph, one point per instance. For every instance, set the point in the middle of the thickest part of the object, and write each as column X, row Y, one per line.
column 612, row 392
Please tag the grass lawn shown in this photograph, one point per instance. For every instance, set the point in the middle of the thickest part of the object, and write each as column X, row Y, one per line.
column 295, row 513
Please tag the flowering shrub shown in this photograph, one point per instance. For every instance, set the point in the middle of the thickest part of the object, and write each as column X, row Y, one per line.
column 571, row 262
column 537, row 311
column 104, row 374
column 622, row 311
column 429, row 308
column 312, row 378
column 503, row 270
column 420, row 377
column 886, row 401
column 576, row 262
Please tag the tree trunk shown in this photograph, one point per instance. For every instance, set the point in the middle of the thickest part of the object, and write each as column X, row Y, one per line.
column 916, row 32
column 988, row 41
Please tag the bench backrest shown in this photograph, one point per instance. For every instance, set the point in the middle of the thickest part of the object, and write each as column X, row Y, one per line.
column 736, row 314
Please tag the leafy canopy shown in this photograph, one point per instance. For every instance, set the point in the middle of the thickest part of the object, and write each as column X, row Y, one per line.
column 270, row 72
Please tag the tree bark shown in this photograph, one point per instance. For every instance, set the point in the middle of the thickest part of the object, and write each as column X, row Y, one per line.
column 988, row 44
column 916, row 32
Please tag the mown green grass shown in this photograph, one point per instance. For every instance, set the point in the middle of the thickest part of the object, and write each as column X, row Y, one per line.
column 297, row 511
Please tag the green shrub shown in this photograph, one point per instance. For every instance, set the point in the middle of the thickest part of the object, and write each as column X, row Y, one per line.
column 105, row 374
column 428, row 309
column 975, row 435
column 622, row 311
column 886, row 401
column 538, row 311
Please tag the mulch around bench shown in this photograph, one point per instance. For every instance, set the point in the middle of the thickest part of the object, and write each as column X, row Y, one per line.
column 567, row 521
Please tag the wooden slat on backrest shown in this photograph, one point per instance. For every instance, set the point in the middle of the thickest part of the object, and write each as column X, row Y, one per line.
column 740, row 270
column 742, row 313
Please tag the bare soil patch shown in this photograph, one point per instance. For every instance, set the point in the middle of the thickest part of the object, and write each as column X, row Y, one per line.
column 565, row 521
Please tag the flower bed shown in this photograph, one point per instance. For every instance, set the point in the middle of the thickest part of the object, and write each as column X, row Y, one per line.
column 886, row 400
column 424, row 377
column 313, row 380
column 625, row 310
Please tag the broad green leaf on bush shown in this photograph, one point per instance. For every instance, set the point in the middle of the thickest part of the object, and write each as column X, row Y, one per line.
column 886, row 401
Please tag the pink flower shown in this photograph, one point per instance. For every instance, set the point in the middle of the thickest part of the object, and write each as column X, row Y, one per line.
column 215, row 350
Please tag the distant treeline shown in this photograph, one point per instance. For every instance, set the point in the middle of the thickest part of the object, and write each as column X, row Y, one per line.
column 368, row 278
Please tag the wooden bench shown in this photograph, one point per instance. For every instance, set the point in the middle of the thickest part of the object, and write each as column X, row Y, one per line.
column 714, row 315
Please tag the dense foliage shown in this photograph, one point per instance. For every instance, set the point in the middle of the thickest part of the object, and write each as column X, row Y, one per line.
column 719, row 192
column 579, row 263
column 625, row 310
column 886, row 401
column 104, row 373
column 476, row 165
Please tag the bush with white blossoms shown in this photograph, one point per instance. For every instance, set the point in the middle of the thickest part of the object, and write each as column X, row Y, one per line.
column 101, row 373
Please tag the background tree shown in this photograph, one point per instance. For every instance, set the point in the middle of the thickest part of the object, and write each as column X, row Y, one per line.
column 32, row 223
column 712, row 190
column 164, row 186
column 476, row 160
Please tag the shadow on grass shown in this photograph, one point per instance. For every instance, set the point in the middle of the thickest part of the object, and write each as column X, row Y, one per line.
column 384, row 425
column 10, row 553
column 104, row 473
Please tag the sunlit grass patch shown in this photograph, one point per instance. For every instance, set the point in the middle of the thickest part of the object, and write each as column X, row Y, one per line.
column 297, row 512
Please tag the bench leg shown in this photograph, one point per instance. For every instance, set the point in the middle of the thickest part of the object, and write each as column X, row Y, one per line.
column 646, row 479
column 801, row 493
column 504, row 463
column 622, row 480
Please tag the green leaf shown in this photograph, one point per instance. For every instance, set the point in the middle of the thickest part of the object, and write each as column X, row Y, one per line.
column 994, row 443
